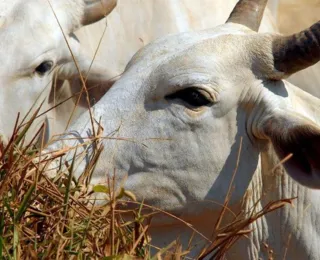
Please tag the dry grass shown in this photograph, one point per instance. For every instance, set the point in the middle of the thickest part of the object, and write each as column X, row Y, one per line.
column 42, row 218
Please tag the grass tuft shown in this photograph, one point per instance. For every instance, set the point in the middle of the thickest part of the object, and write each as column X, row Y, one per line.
column 56, row 218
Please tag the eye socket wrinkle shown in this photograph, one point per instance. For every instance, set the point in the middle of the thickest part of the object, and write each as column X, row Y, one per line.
column 192, row 96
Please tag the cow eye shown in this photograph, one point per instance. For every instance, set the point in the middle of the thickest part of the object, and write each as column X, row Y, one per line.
column 192, row 96
column 44, row 67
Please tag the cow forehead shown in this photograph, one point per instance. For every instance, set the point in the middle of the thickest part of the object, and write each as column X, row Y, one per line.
column 26, row 41
column 29, row 28
column 6, row 6
column 68, row 12
column 172, row 48
column 19, row 9
column 20, row 20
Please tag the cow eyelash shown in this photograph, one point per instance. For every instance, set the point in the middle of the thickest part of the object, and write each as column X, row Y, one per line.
column 43, row 68
column 193, row 96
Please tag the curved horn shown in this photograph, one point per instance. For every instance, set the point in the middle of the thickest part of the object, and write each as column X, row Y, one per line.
column 298, row 51
column 95, row 10
column 248, row 13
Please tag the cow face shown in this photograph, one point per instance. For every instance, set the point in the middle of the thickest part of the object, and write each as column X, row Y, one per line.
column 177, row 111
column 36, row 40
column 189, row 104
column 182, row 113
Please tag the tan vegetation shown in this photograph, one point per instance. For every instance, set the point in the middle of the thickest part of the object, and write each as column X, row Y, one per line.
column 43, row 218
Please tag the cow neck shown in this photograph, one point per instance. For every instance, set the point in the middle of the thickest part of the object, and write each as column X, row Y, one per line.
column 291, row 232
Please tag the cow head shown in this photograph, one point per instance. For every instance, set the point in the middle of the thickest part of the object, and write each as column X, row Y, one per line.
column 34, row 36
column 175, row 121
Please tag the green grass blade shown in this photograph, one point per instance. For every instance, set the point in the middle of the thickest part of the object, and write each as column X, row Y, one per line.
column 27, row 126
column 7, row 205
column 1, row 233
column 67, row 195
column 15, row 241
column 25, row 203
column 5, row 249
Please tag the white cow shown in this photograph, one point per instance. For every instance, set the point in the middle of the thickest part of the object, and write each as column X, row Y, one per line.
column 33, row 46
column 135, row 23
column 130, row 26
column 182, row 108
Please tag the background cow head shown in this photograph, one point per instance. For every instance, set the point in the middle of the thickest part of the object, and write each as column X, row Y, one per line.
column 36, row 39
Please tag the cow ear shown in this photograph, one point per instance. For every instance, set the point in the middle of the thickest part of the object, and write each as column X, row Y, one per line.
column 96, row 10
column 297, row 136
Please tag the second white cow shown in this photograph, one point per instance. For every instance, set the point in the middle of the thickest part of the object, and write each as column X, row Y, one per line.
column 33, row 45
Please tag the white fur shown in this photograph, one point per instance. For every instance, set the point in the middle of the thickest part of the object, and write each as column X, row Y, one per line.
column 30, row 34
column 182, row 160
